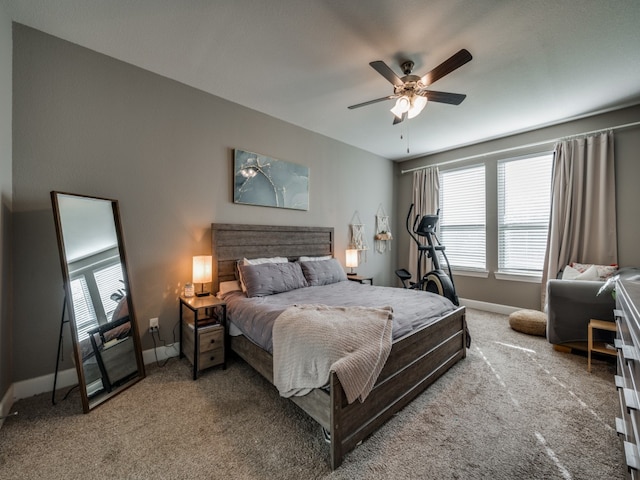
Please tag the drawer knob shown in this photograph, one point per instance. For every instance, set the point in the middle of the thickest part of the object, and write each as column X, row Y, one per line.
column 212, row 358
column 213, row 340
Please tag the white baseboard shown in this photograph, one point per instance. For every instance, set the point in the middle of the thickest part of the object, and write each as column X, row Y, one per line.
column 44, row 383
column 168, row 351
column 69, row 377
column 489, row 307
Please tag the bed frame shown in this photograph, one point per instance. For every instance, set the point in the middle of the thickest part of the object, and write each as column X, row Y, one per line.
column 415, row 362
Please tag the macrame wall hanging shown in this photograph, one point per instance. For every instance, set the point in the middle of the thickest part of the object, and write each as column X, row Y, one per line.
column 383, row 237
column 358, row 239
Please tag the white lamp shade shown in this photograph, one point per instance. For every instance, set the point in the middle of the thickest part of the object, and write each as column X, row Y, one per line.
column 202, row 269
column 351, row 258
column 417, row 104
column 402, row 105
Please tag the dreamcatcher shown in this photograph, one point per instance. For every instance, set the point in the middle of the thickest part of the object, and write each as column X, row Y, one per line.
column 358, row 240
column 383, row 235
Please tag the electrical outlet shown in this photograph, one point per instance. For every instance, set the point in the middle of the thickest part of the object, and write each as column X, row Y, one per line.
column 153, row 325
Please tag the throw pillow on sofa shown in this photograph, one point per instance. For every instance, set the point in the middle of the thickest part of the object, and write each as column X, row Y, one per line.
column 571, row 273
column 587, row 271
column 604, row 271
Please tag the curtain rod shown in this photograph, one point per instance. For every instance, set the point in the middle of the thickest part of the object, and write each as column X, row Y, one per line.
column 520, row 147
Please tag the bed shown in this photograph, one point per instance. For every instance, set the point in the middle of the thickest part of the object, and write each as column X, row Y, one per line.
column 416, row 359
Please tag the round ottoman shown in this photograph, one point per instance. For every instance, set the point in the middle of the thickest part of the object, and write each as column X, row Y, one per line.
column 531, row 322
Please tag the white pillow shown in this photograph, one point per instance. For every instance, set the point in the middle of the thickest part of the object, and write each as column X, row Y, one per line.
column 314, row 259
column 590, row 274
column 258, row 261
column 570, row 273
column 231, row 286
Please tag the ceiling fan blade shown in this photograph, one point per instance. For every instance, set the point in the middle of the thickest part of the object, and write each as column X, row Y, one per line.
column 446, row 67
column 384, row 70
column 397, row 120
column 444, row 97
column 364, row 104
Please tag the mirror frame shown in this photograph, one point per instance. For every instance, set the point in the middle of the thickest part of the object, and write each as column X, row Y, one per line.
column 90, row 403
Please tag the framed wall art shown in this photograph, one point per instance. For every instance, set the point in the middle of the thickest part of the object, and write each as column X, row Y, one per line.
column 268, row 182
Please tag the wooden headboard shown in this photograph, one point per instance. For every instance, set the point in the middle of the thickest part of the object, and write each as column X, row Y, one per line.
column 231, row 242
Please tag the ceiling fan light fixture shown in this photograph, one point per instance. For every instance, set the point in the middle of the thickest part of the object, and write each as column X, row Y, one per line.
column 418, row 102
column 403, row 104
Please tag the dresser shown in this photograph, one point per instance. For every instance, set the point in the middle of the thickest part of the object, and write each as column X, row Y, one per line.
column 627, row 316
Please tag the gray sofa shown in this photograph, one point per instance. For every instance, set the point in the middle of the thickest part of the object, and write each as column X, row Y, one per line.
column 570, row 305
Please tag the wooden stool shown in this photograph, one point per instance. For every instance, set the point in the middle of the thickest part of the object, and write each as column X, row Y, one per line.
column 599, row 347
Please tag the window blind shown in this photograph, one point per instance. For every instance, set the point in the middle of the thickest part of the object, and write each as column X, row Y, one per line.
column 462, row 217
column 524, row 202
column 109, row 281
column 85, row 315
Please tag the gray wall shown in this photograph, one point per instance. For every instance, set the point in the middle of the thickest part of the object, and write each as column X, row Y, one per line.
column 5, row 201
column 86, row 123
column 521, row 294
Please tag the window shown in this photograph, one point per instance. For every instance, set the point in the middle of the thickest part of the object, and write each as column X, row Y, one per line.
column 524, row 203
column 462, row 217
column 109, row 281
column 82, row 307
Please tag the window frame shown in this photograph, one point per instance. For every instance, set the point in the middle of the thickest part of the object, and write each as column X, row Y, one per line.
column 466, row 270
column 504, row 272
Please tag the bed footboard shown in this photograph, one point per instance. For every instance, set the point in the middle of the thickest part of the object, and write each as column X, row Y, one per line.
column 415, row 362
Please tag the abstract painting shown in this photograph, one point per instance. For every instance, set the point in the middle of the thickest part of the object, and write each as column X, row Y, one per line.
column 265, row 181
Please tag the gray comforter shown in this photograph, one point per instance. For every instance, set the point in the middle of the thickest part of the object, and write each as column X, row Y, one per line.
column 411, row 308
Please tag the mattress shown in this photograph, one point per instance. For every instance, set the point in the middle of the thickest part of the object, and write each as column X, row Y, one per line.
column 412, row 309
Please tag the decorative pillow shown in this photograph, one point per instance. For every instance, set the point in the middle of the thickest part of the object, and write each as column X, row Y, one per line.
column 323, row 272
column 604, row 271
column 571, row 273
column 226, row 287
column 257, row 261
column 315, row 259
column 269, row 278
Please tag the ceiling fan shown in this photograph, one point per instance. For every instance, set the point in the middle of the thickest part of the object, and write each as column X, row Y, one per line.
column 411, row 91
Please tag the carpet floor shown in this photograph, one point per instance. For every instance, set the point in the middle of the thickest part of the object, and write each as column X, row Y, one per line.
column 513, row 409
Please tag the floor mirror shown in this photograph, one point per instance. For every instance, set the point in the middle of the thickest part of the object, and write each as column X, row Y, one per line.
column 98, row 299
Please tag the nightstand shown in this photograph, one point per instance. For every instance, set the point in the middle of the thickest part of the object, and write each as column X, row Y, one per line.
column 360, row 279
column 202, row 332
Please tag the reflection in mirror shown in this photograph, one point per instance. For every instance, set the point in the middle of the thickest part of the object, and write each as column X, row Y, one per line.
column 105, row 336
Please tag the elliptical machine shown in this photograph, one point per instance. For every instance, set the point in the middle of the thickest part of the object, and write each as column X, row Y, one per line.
column 435, row 281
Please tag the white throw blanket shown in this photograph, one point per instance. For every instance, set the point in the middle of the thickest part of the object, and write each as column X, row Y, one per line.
column 310, row 341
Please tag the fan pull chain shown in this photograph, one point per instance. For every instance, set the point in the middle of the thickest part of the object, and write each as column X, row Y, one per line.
column 402, row 136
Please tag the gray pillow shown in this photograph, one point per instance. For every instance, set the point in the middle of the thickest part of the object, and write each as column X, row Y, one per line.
column 323, row 272
column 269, row 278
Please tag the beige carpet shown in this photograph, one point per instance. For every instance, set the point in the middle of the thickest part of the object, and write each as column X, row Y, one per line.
column 513, row 409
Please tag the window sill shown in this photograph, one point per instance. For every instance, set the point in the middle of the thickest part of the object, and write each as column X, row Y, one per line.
column 518, row 277
column 470, row 273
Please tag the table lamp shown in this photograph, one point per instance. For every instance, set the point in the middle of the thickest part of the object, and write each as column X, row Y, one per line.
column 202, row 272
column 351, row 260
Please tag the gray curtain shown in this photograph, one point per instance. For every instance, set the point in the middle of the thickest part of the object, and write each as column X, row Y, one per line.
column 426, row 197
column 582, row 224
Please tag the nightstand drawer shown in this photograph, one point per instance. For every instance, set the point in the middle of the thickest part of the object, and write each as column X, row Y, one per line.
column 211, row 357
column 210, row 339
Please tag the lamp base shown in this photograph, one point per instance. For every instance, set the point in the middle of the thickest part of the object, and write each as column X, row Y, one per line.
column 351, row 274
column 202, row 294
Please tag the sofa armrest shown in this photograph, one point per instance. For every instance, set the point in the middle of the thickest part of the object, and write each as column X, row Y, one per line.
column 570, row 306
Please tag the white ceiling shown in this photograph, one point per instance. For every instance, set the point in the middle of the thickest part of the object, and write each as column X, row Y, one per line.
column 536, row 62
